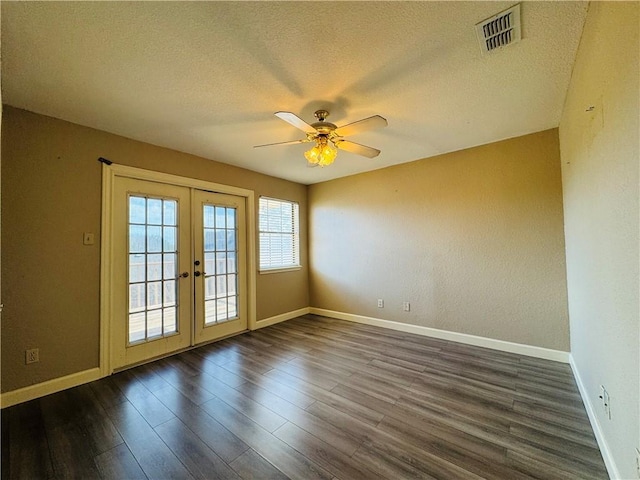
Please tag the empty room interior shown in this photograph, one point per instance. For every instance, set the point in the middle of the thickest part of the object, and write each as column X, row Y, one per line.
column 320, row 240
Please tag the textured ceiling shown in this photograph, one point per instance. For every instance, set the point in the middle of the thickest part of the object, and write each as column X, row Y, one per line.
column 206, row 77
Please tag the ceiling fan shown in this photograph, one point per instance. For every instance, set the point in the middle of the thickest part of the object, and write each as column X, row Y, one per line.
column 328, row 137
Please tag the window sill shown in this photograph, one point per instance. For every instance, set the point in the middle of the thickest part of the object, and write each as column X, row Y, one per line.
column 280, row 270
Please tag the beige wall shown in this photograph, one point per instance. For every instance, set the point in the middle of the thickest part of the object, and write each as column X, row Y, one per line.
column 472, row 239
column 600, row 156
column 51, row 188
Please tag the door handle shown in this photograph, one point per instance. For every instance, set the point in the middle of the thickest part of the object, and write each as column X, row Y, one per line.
column 196, row 273
column 183, row 275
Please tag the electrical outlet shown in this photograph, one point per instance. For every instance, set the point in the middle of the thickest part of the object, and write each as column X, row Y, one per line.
column 605, row 399
column 380, row 303
column 32, row 356
column 638, row 463
column 88, row 238
column 406, row 306
column 607, row 405
column 601, row 394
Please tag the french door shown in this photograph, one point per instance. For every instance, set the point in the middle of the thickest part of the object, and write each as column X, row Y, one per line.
column 220, row 251
column 178, row 268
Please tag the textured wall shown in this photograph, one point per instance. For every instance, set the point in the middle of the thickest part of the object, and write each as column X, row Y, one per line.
column 51, row 188
column 472, row 239
column 600, row 153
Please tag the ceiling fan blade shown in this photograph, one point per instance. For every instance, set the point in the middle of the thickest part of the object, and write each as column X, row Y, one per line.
column 296, row 121
column 361, row 126
column 292, row 142
column 357, row 148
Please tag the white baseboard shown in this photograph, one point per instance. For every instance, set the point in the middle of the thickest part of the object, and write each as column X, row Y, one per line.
column 282, row 317
column 38, row 390
column 31, row 392
column 612, row 469
column 519, row 348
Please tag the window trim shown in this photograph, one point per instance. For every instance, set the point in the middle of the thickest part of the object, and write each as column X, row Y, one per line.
column 267, row 271
column 296, row 235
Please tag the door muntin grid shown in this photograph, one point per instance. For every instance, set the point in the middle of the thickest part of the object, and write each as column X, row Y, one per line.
column 220, row 230
column 152, row 268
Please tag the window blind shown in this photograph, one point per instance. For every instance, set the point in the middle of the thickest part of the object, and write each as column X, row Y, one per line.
column 279, row 236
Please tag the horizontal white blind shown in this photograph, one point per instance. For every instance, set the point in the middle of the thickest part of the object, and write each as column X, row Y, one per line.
column 279, row 238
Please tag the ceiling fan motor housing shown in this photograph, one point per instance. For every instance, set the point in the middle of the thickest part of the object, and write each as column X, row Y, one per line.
column 323, row 128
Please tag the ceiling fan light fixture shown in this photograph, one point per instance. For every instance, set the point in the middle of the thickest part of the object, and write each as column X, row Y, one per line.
column 322, row 153
column 312, row 155
column 327, row 138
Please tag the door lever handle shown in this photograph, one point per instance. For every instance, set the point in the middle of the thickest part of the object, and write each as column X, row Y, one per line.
column 196, row 273
column 183, row 275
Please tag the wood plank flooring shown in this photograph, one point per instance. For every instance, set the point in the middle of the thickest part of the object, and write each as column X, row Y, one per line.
column 313, row 398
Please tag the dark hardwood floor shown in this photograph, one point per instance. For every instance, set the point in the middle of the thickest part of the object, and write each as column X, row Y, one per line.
column 313, row 398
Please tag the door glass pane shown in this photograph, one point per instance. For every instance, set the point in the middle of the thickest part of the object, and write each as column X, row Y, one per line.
column 169, row 266
column 137, row 234
column 231, row 239
column 169, row 294
column 209, row 262
column 231, row 216
column 231, row 306
column 231, row 284
column 154, row 267
column 209, row 312
column 220, row 217
column 169, row 320
column 220, row 254
column 154, row 211
column 221, row 286
column 136, row 326
column 136, row 268
column 231, row 262
column 154, row 239
column 170, row 208
column 221, row 309
column 153, row 253
column 221, row 241
column 154, row 295
column 154, row 323
column 169, row 239
column 209, row 240
column 221, row 263
column 137, row 297
column 209, row 216
column 137, row 210
column 210, row 287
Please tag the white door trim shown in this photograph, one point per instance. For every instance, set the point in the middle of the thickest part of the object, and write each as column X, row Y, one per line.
column 109, row 172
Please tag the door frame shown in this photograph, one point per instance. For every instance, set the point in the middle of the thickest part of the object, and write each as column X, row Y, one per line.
column 109, row 172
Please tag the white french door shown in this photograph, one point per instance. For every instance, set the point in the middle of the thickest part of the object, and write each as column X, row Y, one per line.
column 220, row 260
column 178, row 268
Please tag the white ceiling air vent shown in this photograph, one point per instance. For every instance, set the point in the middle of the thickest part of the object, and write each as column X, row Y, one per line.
column 500, row 30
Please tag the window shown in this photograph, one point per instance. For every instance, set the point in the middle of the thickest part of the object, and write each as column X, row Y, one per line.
column 279, row 238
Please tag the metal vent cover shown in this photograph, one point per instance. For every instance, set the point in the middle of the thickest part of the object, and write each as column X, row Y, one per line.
column 500, row 30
